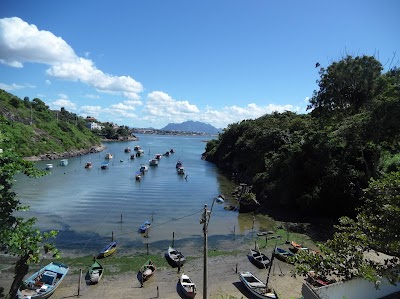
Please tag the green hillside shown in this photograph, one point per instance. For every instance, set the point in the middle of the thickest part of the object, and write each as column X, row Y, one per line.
column 32, row 129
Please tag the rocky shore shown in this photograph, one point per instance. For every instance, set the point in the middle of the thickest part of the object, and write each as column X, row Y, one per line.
column 68, row 154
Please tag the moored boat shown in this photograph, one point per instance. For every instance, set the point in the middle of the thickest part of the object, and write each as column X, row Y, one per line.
column 49, row 166
column 175, row 256
column 44, row 282
column 109, row 156
column 144, row 227
column 88, row 165
column 143, row 168
column 127, row 150
column 256, row 286
column 259, row 259
column 95, row 272
column 187, row 285
column 108, row 250
column 104, row 165
column 179, row 164
column 63, row 162
column 181, row 170
column 147, row 271
column 153, row 162
column 282, row 254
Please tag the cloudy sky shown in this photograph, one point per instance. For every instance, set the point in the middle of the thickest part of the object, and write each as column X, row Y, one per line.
column 150, row 63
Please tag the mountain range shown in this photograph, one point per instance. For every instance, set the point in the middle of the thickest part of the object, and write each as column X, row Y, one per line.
column 192, row 126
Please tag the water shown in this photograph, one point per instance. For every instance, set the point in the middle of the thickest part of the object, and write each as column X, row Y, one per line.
column 86, row 205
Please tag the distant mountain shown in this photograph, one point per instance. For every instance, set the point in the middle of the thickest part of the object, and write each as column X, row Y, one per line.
column 192, row 126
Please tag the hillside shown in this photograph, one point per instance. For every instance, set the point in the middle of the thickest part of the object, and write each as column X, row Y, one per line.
column 30, row 128
column 192, row 126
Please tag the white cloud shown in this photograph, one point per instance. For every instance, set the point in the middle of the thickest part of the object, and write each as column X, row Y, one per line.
column 92, row 96
column 21, row 42
column 161, row 104
column 91, row 110
column 14, row 86
column 48, row 82
column 63, row 102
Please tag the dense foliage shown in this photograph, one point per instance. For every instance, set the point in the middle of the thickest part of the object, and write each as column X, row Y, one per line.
column 18, row 236
column 320, row 162
column 35, row 129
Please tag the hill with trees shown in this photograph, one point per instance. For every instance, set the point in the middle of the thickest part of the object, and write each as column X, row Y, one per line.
column 192, row 126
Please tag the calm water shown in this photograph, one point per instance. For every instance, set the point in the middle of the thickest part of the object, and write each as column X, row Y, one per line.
column 86, row 205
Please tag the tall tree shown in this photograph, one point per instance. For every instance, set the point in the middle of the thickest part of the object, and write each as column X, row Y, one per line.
column 18, row 236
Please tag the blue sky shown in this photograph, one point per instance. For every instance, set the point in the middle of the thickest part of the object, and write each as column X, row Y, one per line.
column 149, row 63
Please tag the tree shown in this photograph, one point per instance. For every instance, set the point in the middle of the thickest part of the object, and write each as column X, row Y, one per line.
column 367, row 246
column 18, row 236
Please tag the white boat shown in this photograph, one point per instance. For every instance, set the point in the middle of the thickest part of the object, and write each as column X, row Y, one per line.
column 49, row 166
column 44, row 282
column 143, row 168
column 256, row 286
column 64, row 162
column 153, row 162
column 187, row 286
column 109, row 156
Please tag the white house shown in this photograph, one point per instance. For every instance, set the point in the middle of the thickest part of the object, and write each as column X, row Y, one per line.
column 94, row 126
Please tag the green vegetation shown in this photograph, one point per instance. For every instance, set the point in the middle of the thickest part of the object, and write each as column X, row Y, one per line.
column 340, row 161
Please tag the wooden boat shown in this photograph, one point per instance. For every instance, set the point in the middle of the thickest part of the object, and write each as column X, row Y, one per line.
column 108, row 250
column 63, row 162
column 176, row 257
column 282, row 254
column 187, row 285
column 88, row 165
column 153, row 162
column 109, row 156
column 44, row 282
column 144, row 227
column 95, row 272
column 297, row 246
column 259, row 259
column 256, row 286
column 317, row 281
column 147, row 270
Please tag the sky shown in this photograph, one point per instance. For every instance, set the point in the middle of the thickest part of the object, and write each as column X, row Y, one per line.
column 152, row 62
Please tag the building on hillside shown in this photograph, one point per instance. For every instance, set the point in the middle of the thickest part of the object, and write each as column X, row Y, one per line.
column 94, row 126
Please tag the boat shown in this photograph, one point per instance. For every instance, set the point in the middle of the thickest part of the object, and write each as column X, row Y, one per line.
column 143, row 168
column 187, row 285
column 133, row 157
column 144, row 227
column 167, row 153
column 108, row 250
column 139, row 153
column 63, row 162
column 44, row 282
column 109, row 156
column 49, row 166
column 256, row 286
column 147, row 270
column 153, row 162
column 219, row 199
column 181, row 170
column 104, row 165
column 136, row 147
column 127, row 150
column 259, row 259
column 176, row 257
column 138, row 177
column 282, row 254
column 179, row 164
column 95, row 272
column 296, row 246
column 158, row 156
column 171, row 151
column 88, row 165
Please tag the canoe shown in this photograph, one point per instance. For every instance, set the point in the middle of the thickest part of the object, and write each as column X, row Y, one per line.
column 147, row 270
column 95, row 272
column 44, row 282
column 176, row 257
column 256, row 286
column 108, row 250
column 282, row 254
column 259, row 259
column 297, row 246
column 144, row 227
column 187, row 285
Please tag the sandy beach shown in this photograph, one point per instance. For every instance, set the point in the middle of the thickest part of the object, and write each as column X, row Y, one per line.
column 223, row 281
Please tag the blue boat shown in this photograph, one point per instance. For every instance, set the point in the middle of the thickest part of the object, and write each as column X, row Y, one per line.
column 44, row 282
column 144, row 227
column 108, row 250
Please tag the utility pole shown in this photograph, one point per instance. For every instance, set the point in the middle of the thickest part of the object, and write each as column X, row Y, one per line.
column 204, row 220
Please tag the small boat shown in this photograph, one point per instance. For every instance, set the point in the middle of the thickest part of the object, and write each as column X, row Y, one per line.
column 138, row 177
column 127, row 150
column 259, row 259
column 158, row 156
column 153, row 162
column 136, row 147
column 318, row 281
column 49, row 166
column 187, row 285
column 133, row 157
column 108, row 250
column 219, row 199
column 166, row 153
column 144, row 227
column 88, row 165
column 143, row 168
column 297, row 246
column 44, row 282
column 139, row 153
column 109, row 156
column 256, row 286
column 176, row 257
column 171, row 151
column 63, row 162
column 282, row 254
column 178, row 164
column 95, row 272
column 147, row 270
column 104, row 165
column 181, row 170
